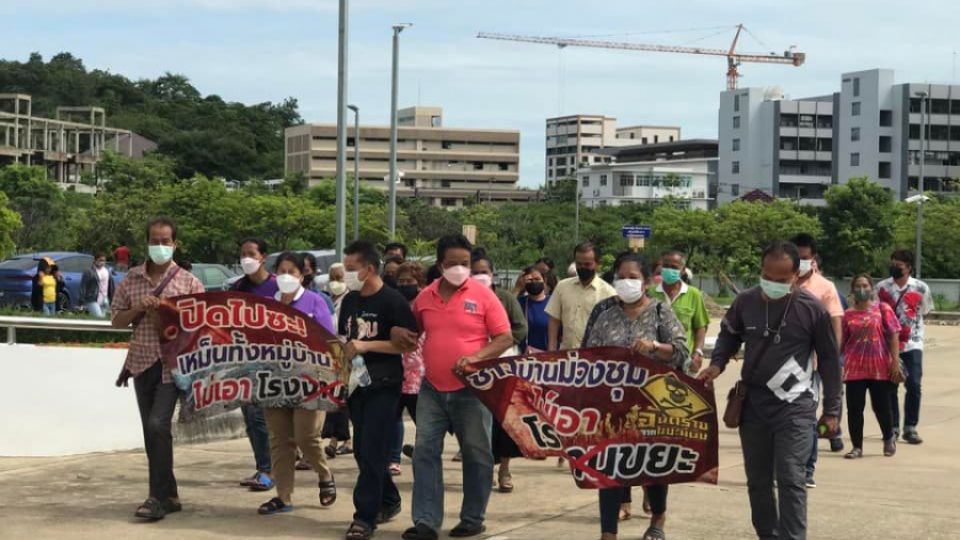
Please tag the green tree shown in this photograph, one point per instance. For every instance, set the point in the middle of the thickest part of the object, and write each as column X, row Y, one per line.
column 941, row 236
column 562, row 190
column 9, row 224
column 857, row 227
column 38, row 200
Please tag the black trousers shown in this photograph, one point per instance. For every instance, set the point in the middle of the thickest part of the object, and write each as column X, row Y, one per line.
column 336, row 426
column 373, row 412
column 156, row 401
column 881, row 394
column 612, row 498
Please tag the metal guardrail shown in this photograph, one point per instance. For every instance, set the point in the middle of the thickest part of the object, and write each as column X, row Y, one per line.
column 53, row 323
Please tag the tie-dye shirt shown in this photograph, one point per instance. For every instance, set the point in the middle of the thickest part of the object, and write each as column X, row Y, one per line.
column 865, row 336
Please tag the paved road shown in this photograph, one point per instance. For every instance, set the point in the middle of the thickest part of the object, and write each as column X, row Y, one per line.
column 910, row 496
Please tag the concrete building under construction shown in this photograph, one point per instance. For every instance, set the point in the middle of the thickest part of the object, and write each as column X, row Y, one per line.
column 68, row 145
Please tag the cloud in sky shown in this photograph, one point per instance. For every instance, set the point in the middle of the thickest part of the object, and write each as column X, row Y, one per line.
column 259, row 50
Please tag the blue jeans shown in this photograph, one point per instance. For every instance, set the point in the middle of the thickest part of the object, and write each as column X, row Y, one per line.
column 913, row 369
column 50, row 309
column 94, row 308
column 258, row 435
column 472, row 424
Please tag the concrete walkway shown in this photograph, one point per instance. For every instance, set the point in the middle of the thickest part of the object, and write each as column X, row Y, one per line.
column 910, row 496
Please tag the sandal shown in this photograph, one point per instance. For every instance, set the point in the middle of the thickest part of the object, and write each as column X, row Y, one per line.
column 151, row 509
column 344, row 449
column 625, row 512
column 856, row 453
column 331, row 451
column 358, row 531
column 505, row 481
column 395, row 469
column 654, row 533
column 302, row 465
column 274, row 506
column 328, row 492
column 261, row 482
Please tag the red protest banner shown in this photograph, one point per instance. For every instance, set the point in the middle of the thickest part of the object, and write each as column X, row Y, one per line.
column 226, row 349
column 620, row 418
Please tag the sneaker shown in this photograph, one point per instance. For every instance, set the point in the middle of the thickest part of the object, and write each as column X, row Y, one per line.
column 836, row 445
column 856, row 453
column 811, row 483
column 912, row 438
column 890, row 447
column 407, row 450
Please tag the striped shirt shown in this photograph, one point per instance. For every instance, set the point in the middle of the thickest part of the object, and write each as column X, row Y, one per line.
column 145, row 344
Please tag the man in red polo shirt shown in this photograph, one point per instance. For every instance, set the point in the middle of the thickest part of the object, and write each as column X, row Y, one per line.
column 464, row 322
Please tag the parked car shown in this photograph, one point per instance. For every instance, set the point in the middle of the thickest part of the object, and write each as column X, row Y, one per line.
column 16, row 277
column 215, row 277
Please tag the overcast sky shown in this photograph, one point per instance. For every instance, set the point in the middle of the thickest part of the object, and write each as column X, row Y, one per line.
column 260, row 50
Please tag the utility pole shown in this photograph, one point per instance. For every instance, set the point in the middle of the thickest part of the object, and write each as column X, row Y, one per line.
column 341, row 186
column 356, row 171
column 392, row 210
column 923, row 159
column 576, row 228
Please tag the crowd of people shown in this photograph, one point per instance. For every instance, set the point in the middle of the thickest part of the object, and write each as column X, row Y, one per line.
column 415, row 325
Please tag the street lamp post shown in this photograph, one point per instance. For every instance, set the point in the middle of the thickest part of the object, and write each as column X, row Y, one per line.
column 341, row 187
column 356, row 171
column 576, row 229
column 920, row 185
column 392, row 210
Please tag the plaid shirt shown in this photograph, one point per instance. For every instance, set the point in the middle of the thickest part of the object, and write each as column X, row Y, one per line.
column 145, row 344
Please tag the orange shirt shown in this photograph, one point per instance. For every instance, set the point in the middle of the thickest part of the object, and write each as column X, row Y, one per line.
column 460, row 327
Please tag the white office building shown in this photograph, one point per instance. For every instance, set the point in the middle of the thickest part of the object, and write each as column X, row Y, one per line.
column 797, row 148
column 683, row 170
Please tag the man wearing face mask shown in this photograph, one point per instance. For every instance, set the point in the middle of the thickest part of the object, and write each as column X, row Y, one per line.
column 687, row 303
column 814, row 282
column 368, row 315
column 135, row 303
column 464, row 323
column 258, row 281
column 782, row 327
column 574, row 299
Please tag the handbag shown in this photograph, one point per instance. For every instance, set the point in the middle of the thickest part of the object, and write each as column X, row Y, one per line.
column 738, row 394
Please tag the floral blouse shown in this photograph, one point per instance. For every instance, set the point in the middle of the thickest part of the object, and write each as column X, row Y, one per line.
column 608, row 326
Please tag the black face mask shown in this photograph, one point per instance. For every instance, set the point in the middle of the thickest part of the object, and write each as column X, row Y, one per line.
column 896, row 272
column 408, row 291
column 534, row 288
column 586, row 274
column 390, row 281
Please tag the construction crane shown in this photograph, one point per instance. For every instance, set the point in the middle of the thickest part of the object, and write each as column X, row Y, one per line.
column 734, row 58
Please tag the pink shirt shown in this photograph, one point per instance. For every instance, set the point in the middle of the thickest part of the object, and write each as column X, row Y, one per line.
column 458, row 328
column 826, row 292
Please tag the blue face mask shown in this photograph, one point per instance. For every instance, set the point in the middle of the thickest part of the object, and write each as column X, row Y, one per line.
column 670, row 275
column 774, row 290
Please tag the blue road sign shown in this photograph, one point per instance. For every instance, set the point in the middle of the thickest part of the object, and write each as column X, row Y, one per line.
column 636, row 231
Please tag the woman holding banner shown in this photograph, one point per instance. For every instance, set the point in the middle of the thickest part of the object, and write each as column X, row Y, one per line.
column 633, row 319
column 291, row 428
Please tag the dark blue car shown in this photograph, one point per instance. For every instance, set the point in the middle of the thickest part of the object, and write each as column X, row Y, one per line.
column 16, row 276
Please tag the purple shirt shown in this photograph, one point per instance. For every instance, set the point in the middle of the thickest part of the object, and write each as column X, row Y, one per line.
column 312, row 304
column 267, row 289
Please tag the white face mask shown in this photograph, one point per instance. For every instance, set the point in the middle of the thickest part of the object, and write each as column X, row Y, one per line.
column 806, row 265
column 287, row 284
column 629, row 290
column 249, row 265
column 160, row 254
column 456, row 275
column 337, row 288
column 484, row 279
column 352, row 280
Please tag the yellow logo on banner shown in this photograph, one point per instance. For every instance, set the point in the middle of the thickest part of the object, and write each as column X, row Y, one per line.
column 674, row 398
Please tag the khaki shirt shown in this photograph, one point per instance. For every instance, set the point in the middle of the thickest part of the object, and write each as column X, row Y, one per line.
column 572, row 303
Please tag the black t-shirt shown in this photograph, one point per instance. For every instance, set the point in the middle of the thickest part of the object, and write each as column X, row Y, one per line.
column 371, row 318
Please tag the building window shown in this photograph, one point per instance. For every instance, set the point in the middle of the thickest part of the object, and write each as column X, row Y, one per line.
column 736, row 145
column 446, row 145
column 735, row 190
column 603, row 180
column 806, row 121
column 855, row 108
column 643, row 140
column 448, row 202
column 435, row 121
column 736, row 122
column 445, row 183
column 886, row 118
column 886, row 143
column 856, row 87
column 736, row 103
column 656, row 139
column 855, row 159
column 855, row 131
column 504, row 166
column 884, row 170
column 477, row 166
column 671, row 138
column 633, row 135
column 735, row 167
column 585, row 181
column 626, row 180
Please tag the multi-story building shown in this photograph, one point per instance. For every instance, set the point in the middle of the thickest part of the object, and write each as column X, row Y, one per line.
column 681, row 170
column 576, row 141
column 444, row 166
column 797, row 148
column 68, row 145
